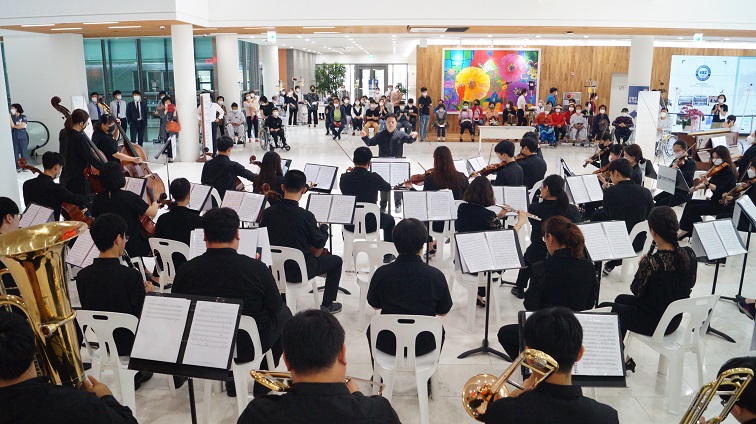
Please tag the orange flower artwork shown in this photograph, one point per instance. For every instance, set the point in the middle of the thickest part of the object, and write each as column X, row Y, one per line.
column 472, row 83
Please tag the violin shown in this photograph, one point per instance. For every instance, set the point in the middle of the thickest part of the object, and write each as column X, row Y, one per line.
column 519, row 157
column 602, row 170
column 272, row 195
column 712, row 171
column 737, row 190
column 414, row 179
column 253, row 161
column 595, row 156
column 69, row 211
column 490, row 169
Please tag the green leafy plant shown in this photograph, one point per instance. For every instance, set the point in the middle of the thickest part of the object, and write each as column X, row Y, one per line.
column 402, row 89
column 329, row 77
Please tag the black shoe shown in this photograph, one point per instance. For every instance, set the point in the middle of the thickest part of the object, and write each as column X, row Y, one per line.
column 335, row 308
column 179, row 381
column 630, row 366
column 230, row 388
column 141, row 377
column 518, row 292
column 748, row 309
column 607, row 269
column 479, row 303
column 387, row 259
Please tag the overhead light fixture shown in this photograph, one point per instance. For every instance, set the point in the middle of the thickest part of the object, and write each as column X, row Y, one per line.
column 318, row 27
column 299, row 36
column 203, row 29
column 679, row 38
column 37, row 25
column 125, row 26
column 725, row 39
column 307, row 39
column 100, row 23
column 490, row 36
column 586, row 36
column 393, row 35
column 427, row 29
column 538, row 36
column 313, row 42
column 326, row 32
column 63, row 29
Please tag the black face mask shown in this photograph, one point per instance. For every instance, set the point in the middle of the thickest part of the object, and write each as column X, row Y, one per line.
column 111, row 130
column 312, row 90
column 330, row 103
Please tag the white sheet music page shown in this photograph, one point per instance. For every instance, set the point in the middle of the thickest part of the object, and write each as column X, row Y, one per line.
column 326, row 177
column 161, row 328
column 250, row 207
column 748, row 207
column 603, row 356
column 248, row 242
column 198, row 196
column 311, row 172
column 710, row 240
column 233, row 199
column 384, row 170
column 211, row 335
column 29, row 215
column 516, row 197
column 578, row 190
column 320, row 206
column 197, row 244
column 593, row 187
column 478, row 163
column 342, row 209
column 499, row 196
column 400, row 172
column 503, row 248
column 730, row 237
column 415, row 205
column 78, row 253
column 439, row 208
column 135, row 185
column 473, row 249
column 595, row 241
column 619, row 239
column 461, row 166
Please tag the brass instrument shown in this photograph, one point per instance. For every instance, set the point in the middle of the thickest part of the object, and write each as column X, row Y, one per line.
column 484, row 389
column 280, row 381
column 35, row 257
column 736, row 379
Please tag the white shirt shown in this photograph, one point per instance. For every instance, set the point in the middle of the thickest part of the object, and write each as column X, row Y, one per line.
column 114, row 108
column 521, row 103
column 214, row 108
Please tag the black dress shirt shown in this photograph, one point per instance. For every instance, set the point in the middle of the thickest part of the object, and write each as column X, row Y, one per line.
column 533, row 170
column 37, row 400
column 78, row 156
column 473, row 217
column 44, row 192
column 744, row 161
column 225, row 273
column 177, row 224
column 551, row 404
column 291, row 226
column 106, row 285
column 363, row 184
column 545, row 209
column 688, row 170
column 319, row 403
column 408, row 286
column 425, row 103
column 430, row 184
column 221, row 173
column 106, row 144
column 724, row 181
column 637, row 175
column 510, row 175
column 130, row 207
column 629, row 202
column 561, row 280
column 390, row 144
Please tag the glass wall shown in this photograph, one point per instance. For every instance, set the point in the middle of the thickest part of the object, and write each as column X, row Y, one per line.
column 5, row 69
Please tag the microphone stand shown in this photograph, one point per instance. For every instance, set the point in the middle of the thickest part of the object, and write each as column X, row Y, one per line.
column 164, row 151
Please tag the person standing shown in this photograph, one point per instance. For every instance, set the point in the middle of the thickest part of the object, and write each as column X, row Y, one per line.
column 78, row 154
column 118, row 107
column 94, row 108
column 136, row 115
column 552, row 98
column 424, row 103
column 251, row 107
column 292, row 102
column 312, row 100
column 18, row 133
column 719, row 112
column 522, row 105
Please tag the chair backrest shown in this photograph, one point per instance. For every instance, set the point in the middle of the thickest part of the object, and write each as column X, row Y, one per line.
column 163, row 250
column 375, row 251
column 280, row 255
column 640, row 228
column 361, row 211
column 536, row 189
column 216, row 198
column 248, row 325
column 406, row 328
column 104, row 324
column 699, row 310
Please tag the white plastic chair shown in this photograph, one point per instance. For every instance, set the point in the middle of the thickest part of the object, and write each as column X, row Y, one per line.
column 375, row 251
column 537, row 186
column 106, row 356
column 361, row 210
column 215, row 197
column 471, row 283
column 687, row 338
column 406, row 328
column 280, row 256
column 641, row 227
column 166, row 248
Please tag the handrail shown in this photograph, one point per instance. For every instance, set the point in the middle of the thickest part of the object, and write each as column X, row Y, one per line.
column 43, row 136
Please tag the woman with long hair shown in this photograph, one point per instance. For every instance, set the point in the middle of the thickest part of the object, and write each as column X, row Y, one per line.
column 78, row 154
column 270, row 173
column 105, row 137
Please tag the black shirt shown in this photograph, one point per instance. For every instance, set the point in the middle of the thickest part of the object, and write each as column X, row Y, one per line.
column 221, row 173
column 637, row 175
column 363, row 184
column 106, row 285
column 371, row 113
column 424, row 102
column 225, row 273
column 291, row 226
column 267, row 109
column 106, row 144
column 715, row 115
column 744, row 161
column 533, row 170
column 37, row 400
column 319, row 403
column 629, row 202
column 408, row 286
column 390, row 145
column 473, row 217
column 510, row 175
column 724, row 181
column 551, row 404
column 177, row 224
column 458, row 191
column 561, row 280
column 274, row 122
column 661, row 281
column 44, row 192
column 545, row 209
column 78, row 156
column 130, row 207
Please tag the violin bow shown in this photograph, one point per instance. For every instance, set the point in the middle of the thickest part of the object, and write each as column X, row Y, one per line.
column 342, row 149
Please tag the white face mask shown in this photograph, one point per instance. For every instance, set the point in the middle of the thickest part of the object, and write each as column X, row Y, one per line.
column 540, row 104
column 346, row 102
column 678, row 155
column 716, row 162
column 13, row 111
column 248, row 97
column 750, row 139
column 220, row 102
column 751, row 173
column 235, row 110
column 94, row 99
column 297, row 90
column 571, row 109
column 137, row 98
column 425, row 93
column 381, row 103
column 624, row 113
column 720, row 101
column 118, row 97
column 336, row 105
column 578, row 111
column 663, row 114
column 372, row 106
column 465, row 107
column 602, row 111
column 275, row 114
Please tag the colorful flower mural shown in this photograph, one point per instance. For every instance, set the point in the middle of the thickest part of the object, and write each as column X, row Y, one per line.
column 494, row 76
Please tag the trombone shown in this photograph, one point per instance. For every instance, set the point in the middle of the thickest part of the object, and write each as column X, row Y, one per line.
column 484, row 389
column 280, row 381
column 736, row 380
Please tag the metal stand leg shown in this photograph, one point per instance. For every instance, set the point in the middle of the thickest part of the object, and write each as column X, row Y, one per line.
column 745, row 260
column 485, row 345
column 192, row 402
column 712, row 330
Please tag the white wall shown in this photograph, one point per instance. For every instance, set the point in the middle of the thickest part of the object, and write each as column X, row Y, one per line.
column 40, row 67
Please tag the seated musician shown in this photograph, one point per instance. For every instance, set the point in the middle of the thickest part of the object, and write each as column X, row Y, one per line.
column 222, row 272
column 315, row 354
column 744, row 409
column 179, row 222
column 748, row 155
column 291, row 226
column 270, row 173
column 105, row 137
column 510, row 174
column 687, row 167
column 605, row 142
column 533, row 166
column 131, row 207
column 408, row 286
column 634, row 154
column 45, row 192
column 221, row 172
column 10, row 217
column 558, row 333
column 107, row 285
column 27, row 398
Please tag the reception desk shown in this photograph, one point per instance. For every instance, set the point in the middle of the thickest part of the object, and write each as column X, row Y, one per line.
column 701, row 140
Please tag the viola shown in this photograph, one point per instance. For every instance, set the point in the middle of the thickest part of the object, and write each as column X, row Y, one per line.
column 490, row 169
column 737, row 190
column 595, row 156
column 253, row 161
column 519, row 157
column 270, row 194
column 148, row 225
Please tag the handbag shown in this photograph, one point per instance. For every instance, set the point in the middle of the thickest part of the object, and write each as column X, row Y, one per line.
column 173, row 126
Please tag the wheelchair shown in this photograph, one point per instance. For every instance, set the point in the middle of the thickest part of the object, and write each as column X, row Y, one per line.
column 268, row 143
column 239, row 136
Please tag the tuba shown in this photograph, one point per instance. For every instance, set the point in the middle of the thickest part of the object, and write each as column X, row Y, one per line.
column 484, row 389
column 35, row 258
column 735, row 381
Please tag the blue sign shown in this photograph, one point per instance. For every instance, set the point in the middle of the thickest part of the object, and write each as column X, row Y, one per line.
column 703, row 73
column 632, row 93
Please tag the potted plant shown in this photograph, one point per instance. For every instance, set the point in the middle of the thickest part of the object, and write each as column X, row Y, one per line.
column 690, row 117
column 329, row 77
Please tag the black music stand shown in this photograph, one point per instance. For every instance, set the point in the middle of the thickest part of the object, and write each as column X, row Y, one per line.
column 737, row 217
column 164, row 151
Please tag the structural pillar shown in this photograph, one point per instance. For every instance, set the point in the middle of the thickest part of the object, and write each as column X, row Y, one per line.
column 646, row 111
column 227, row 53
column 270, row 75
column 641, row 60
column 185, row 80
column 8, row 176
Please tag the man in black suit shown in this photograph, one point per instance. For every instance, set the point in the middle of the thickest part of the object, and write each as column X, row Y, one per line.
column 43, row 190
column 136, row 115
column 221, row 172
column 533, row 166
column 556, row 332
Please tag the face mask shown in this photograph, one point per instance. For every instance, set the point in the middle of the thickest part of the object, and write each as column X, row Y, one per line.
column 372, row 106
column 275, row 114
column 234, row 110
column 346, row 102
column 624, row 113
column 465, row 107
column 381, row 103
column 750, row 139
column 424, row 93
column 716, row 162
column 476, row 104
column 602, row 111
column 312, row 90
column 540, row 104
column 721, row 101
column 94, row 99
column 336, row 104
column 137, row 98
column 297, row 90
column 248, row 97
column 490, row 108
column 663, row 114
column 220, row 102
column 578, row 111
column 571, row 109
column 13, row 111
column 118, row 97
column 363, row 103
column 558, row 110
column 751, row 173
column 111, row 130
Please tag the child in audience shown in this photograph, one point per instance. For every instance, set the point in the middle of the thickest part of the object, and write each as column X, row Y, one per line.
column 466, row 121
column 440, row 121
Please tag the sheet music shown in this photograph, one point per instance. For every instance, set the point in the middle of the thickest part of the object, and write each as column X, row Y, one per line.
column 263, row 244
column 499, row 195
column 83, row 252
column 342, row 209
column 748, row 207
column 603, row 356
column 461, row 166
column 197, row 244
column 415, row 205
column 211, row 335
column 320, row 206
column 619, row 239
column 718, row 141
column 710, row 241
column 400, row 172
column 516, row 197
column 593, row 187
column 248, row 243
column 383, row 169
column 326, row 177
column 439, row 208
column 232, row 199
column 730, row 237
column 596, row 241
column 250, row 207
column 198, row 196
column 161, row 328
column 474, row 252
column 477, row 163
column 135, row 185
column 36, row 214
column 578, row 190
column 503, row 248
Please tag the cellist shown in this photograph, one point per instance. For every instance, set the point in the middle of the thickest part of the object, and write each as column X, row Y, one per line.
column 221, row 173
column 105, row 137
column 79, row 154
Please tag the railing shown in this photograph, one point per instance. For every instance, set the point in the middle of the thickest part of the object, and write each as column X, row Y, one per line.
column 39, row 135
column 745, row 123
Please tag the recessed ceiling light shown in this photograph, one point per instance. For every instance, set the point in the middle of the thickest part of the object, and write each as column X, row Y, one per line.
column 679, row 38
column 100, row 23
column 63, row 29
column 125, row 26
column 326, row 32
column 442, row 35
column 203, row 29
column 251, row 36
column 538, row 36
column 585, row 36
column 489, row 35
column 318, row 27
column 725, row 39
column 37, row 25
column 299, row 36
column 307, row 39
column 313, row 42
column 393, row 35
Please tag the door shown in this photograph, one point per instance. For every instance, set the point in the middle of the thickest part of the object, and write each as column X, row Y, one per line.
column 370, row 77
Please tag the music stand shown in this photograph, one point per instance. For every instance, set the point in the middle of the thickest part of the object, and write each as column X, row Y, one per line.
column 164, row 151
column 744, row 205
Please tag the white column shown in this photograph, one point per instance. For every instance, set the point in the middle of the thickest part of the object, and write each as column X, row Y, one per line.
column 270, row 75
column 8, row 177
column 182, row 41
column 641, row 60
column 227, row 53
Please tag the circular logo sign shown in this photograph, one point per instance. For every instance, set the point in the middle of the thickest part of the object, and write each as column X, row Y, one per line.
column 703, row 73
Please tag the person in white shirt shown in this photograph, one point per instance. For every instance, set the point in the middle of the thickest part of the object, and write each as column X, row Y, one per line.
column 118, row 109
column 522, row 104
column 665, row 122
column 235, row 123
column 217, row 111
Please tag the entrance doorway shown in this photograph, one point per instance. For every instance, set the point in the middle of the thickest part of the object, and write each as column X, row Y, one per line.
column 368, row 78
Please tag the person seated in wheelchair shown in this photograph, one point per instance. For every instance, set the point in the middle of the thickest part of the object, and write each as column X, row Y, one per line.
column 274, row 124
column 623, row 126
column 235, row 123
column 665, row 122
column 546, row 126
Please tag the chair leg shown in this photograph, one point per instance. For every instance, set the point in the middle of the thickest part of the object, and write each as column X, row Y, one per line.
column 388, row 380
column 240, row 383
column 363, row 305
column 291, row 299
column 674, row 383
column 435, row 390
column 663, row 365
column 494, row 299
column 422, row 397
column 625, row 269
column 700, row 361
column 128, row 394
column 315, row 296
column 348, row 259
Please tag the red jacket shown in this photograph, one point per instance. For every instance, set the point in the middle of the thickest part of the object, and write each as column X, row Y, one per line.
column 543, row 119
column 557, row 119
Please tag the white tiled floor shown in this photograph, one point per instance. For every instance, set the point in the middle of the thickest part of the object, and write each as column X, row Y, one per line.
column 643, row 400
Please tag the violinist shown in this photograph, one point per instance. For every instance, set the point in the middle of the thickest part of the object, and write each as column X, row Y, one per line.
column 744, row 161
column 533, row 166
column 43, row 190
column 128, row 205
column 366, row 185
column 601, row 157
column 179, row 222
column 744, row 188
column 720, row 179
column 105, row 137
column 221, row 172
column 510, row 174
column 270, row 173
column 78, row 154
column 641, row 167
column 687, row 167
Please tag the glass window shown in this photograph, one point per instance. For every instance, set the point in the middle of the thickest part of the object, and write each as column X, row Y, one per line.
column 204, row 62
column 122, row 65
column 5, row 71
column 154, row 72
column 93, row 64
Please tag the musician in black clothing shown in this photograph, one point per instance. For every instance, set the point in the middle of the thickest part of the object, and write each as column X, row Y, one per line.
column 179, row 222
column 78, row 154
column 687, row 167
column 365, row 185
column 641, row 167
column 558, row 333
column 748, row 156
column 105, row 137
column 291, row 226
column 271, row 173
column 533, row 166
column 605, row 142
column 744, row 409
column 43, row 190
column 511, row 174
column 221, row 172
column 10, row 217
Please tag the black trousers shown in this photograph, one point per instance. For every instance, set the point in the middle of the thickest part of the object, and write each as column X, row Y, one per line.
column 387, row 225
column 293, row 115
column 671, row 200
column 509, row 337
column 312, row 116
column 356, row 124
column 696, row 209
column 560, row 132
column 329, row 265
column 467, row 125
column 252, row 122
column 622, row 133
column 534, row 253
column 137, row 132
column 384, row 199
column 521, row 121
column 213, row 136
column 633, row 319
